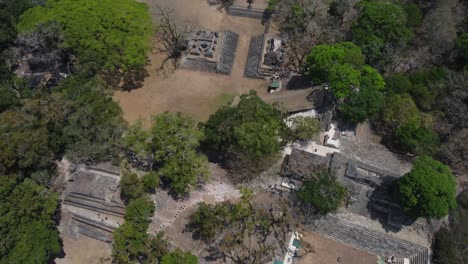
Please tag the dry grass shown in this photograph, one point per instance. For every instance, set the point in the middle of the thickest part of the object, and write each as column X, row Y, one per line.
column 194, row 93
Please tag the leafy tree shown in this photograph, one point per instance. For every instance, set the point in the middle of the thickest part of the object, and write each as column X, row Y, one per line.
column 428, row 190
column 423, row 96
column 400, row 109
column 27, row 224
column 94, row 127
column 252, row 128
column 132, row 244
column 77, row 120
column 343, row 79
column 170, row 148
column 417, row 140
column 361, row 105
column 158, row 247
column 130, row 185
column 179, row 257
column 150, row 181
column 131, row 237
column 207, row 221
column 323, row 58
column 357, row 86
column 445, row 250
column 24, row 143
column 398, row 83
column 413, row 14
column 110, row 34
column 8, row 97
column 304, row 128
column 10, row 10
column 323, row 192
column 463, row 199
column 380, row 23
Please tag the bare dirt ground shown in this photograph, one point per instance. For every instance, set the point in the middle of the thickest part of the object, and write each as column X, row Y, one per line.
column 326, row 251
column 260, row 4
column 172, row 216
column 194, row 93
column 84, row 250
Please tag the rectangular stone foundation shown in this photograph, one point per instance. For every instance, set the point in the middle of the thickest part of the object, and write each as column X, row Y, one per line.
column 223, row 60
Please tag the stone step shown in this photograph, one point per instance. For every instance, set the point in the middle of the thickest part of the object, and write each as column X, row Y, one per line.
column 370, row 241
column 247, row 12
column 95, row 206
column 93, row 223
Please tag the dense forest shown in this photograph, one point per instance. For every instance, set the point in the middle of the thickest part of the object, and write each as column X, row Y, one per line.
column 400, row 64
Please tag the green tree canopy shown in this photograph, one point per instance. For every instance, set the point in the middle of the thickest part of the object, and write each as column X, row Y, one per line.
column 322, row 191
column 207, row 221
column 304, row 128
column 252, row 128
column 27, row 227
column 109, row 34
column 24, row 143
column 323, row 58
column 179, row 257
column 379, row 23
column 10, row 10
column 398, row 83
column 170, row 149
column 428, row 190
column 130, row 239
column 417, row 140
column 414, row 15
column 357, row 86
column 361, row 105
column 400, row 109
column 131, row 187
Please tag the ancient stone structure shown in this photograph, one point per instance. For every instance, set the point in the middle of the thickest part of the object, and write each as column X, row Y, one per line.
column 210, row 51
column 267, row 53
column 368, row 196
column 92, row 204
column 370, row 241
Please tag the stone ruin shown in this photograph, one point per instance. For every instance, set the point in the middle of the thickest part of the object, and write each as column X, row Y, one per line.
column 92, row 204
column 274, row 52
column 204, row 44
column 210, row 51
column 369, row 196
column 267, row 54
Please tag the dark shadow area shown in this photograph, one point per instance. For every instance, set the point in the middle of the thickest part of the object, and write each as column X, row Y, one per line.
column 297, row 82
column 383, row 208
column 126, row 81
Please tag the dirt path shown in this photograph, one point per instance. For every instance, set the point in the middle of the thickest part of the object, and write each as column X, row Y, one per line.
column 194, row 93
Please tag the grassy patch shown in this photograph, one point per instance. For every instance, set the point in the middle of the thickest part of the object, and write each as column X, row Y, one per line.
column 224, row 99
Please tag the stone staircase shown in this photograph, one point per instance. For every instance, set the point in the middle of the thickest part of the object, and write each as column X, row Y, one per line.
column 254, row 57
column 93, row 229
column 248, row 12
column 370, row 241
column 95, row 204
column 228, row 53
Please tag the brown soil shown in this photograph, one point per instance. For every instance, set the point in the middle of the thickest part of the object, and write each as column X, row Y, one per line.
column 194, row 93
column 171, row 216
column 326, row 251
column 84, row 250
column 260, row 4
